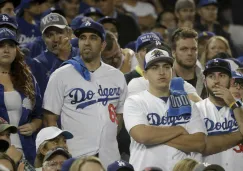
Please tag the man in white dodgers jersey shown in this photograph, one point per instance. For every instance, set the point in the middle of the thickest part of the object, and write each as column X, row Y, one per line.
column 89, row 95
column 222, row 115
column 139, row 84
column 158, row 139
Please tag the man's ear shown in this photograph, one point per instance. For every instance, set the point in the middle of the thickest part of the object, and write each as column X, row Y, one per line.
column 145, row 74
column 103, row 45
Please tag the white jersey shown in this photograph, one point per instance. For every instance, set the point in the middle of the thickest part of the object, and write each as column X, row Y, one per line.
column 88, row 109
column 145, row 108
column 220, row 121
column 137, row 85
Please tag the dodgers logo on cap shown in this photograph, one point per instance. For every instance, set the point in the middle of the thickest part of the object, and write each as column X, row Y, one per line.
column 145, row 39
column 91, row 26
column 6, row 19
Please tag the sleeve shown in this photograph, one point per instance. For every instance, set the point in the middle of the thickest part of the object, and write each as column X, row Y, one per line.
column 189, row 89
column 133, row 113
column 54, row 94
column 135, row 87
column 196, row 123
column 123, row 96
column 37, row 110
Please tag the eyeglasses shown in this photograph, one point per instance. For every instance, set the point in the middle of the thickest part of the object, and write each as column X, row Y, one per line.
column 237, row 84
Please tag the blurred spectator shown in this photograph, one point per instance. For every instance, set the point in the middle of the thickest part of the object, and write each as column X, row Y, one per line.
column 215, row 45
column 128, row 29
column 185, row 11
column 8, row 6
column 110, row 24
column 167, row 18
column 54, row 159
column 236, row 87
column 70, row 9
column 28, row 25
column 145, row 12
column 208, row 167
column 122, row 59
column 208, row 10
column 87, row 164
column 162, row 30
column 203, row 38
column 47, row 139
column 93, row 13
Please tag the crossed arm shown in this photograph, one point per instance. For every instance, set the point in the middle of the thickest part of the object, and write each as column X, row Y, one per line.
column 174, row 136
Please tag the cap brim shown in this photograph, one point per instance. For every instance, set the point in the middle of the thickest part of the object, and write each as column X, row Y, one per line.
column 15, row 41
column 54, row 25
column 214, row 167
column 58, row 151
column 7, row 23
column 216, row 69
column 66, row 134
column 12, row 128
column 160, row 59
column 79, row 31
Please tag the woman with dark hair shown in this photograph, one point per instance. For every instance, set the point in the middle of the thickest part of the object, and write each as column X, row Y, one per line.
column 20, row 101
column 6, row 162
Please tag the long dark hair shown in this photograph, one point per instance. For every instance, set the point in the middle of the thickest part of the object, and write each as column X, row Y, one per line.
column 22, row 78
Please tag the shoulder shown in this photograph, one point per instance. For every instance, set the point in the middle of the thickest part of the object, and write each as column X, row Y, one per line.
column 111, row 69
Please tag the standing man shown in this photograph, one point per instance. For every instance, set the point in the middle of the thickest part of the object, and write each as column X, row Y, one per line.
column 223, row 117
column 162, row 131
column 57, row 35
column 184, row 50
column 89, row 95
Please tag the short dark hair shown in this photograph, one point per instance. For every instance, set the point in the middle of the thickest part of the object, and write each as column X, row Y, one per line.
column 183, row 33
column 110, row 38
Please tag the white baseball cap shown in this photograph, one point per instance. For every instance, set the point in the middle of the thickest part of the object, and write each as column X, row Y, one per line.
column 49, row 133
column 157, row 55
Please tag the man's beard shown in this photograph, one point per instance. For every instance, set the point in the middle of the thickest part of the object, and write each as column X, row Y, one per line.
column 180, row 62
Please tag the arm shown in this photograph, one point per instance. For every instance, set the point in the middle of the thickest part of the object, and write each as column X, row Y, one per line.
column 238, row 113
column 120, row 122
column 189, row 143
column 194, row 97
column 151, row 135
column 50, row 119
column 219, row 143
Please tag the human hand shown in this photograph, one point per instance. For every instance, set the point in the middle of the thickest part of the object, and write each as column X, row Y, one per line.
column 27, row 129
column 14, row 153
column 64, row 48
column 224, row 93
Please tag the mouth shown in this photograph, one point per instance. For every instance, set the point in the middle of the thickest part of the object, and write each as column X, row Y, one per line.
column 55, row 46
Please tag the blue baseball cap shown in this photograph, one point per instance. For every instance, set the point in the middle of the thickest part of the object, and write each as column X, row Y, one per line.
column 146, row 39
column 15, row 2
column 91, row 11
column 206, row 34
column 237, row 75
column 78, row 20
column 5, row 19
column 157, row 55
column 7, row 34
column 108, row 19
column 207, row 2
column 25, row 4
column 217, row 65
column 67, row 164
column 120, row 164
column 91, row 26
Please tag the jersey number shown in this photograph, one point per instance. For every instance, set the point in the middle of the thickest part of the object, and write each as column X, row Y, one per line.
column 112, row 113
